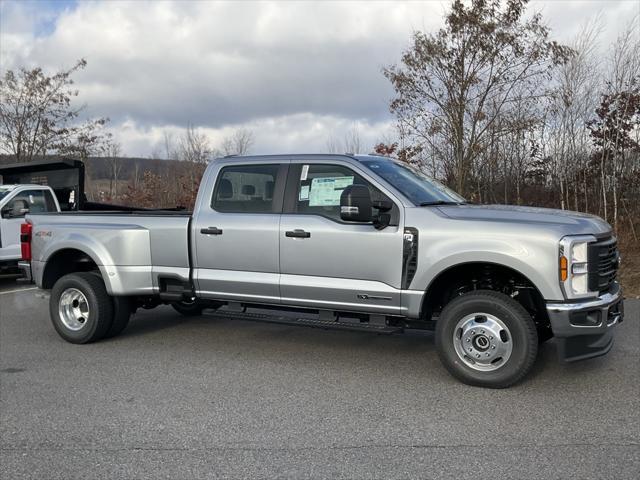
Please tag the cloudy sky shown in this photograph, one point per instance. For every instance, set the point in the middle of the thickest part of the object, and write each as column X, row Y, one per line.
column 295, row 73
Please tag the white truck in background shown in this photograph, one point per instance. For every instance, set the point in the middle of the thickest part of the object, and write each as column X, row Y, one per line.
column 43, row 186
column 15, row 202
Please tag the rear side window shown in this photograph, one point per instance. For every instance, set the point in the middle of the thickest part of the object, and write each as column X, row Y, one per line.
column 245, row 189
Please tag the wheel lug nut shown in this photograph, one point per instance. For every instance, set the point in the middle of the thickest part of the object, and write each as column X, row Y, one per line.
column 471, row 349
column 487, row 354
column 468, row 339
column 490, row 338
column 493, row 347
column 478, row 356
column 482, row 332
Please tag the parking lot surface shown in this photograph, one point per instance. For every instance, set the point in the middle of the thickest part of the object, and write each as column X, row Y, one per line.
column 207, row 397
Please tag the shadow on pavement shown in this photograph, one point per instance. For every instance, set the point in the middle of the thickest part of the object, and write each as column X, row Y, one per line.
column 9, row 282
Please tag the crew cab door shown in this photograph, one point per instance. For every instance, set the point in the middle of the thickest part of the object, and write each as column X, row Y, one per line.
column 236, row 235
column 13, row 211
column 328, row 263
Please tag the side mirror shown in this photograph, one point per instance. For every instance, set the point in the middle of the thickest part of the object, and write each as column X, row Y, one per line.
column 355, row 204
column 19, row 208
column 6, row 212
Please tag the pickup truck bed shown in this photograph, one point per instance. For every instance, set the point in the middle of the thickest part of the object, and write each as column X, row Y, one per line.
column 130, row 248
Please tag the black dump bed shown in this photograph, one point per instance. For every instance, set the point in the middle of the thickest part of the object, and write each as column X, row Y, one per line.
column 66, row 177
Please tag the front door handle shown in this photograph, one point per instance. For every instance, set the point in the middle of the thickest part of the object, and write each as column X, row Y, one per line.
column 297, row 234
column 211, row 231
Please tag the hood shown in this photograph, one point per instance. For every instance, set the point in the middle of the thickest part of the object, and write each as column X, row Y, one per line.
column 575, row 223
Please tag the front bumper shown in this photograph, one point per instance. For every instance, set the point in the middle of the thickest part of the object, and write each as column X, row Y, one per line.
column 585, row 329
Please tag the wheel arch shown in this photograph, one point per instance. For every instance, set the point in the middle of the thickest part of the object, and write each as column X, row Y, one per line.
column 463, row 277
column 65, row 261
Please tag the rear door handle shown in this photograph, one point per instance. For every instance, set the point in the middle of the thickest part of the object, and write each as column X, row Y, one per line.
column 297, row 234
column 211, row 231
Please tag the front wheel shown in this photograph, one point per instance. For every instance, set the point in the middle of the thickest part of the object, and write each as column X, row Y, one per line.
column 487, row 339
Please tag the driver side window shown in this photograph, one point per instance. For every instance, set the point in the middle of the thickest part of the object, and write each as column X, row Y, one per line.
column 31, row 200
column 320, row 186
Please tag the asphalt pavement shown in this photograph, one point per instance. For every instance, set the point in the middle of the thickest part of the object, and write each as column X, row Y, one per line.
column 207, row 397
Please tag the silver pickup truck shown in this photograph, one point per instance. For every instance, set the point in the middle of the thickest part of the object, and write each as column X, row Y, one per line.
column 356, row 242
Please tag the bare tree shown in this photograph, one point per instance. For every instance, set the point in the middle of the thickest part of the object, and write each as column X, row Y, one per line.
column 193, row 146
column 111, row 151
column 617, row 116
column 37, row 116
column 453, row 86
column 239, row 143
column 351, row 142
column 170, row 150
column 572, row 101
column 333, row 145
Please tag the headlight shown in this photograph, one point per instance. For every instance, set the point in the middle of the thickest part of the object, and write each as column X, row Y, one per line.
column 573, row 265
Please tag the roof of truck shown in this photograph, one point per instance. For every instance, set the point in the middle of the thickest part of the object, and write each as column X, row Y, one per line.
column 353, row 156
column 13, row 186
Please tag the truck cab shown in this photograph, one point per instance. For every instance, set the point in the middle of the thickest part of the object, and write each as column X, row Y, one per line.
column 16, row 201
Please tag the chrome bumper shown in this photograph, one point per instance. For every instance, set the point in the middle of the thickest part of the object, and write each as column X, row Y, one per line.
column 585, row 329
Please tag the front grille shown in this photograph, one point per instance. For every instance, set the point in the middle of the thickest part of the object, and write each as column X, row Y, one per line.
column 603, row 264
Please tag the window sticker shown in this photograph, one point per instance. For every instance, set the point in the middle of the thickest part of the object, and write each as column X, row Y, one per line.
column 326, row 191
column 304, row 173
column 304, row 193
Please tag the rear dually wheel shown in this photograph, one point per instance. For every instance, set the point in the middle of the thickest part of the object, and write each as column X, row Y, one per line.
column 80, row 308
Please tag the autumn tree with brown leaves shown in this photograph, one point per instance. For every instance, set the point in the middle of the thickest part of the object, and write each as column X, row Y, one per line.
column 456, row 86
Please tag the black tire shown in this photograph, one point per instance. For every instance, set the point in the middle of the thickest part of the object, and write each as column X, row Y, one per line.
column 520, row 331
column 188, row 309
column 99, row 304
column 121, row 316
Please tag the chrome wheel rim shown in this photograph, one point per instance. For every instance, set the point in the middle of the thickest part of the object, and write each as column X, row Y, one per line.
column 482, row 341
column 73, row 309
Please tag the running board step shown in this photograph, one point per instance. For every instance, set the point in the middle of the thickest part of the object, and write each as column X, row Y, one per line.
column 308, row 322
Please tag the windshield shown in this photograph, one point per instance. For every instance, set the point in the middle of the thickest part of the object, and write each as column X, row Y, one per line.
column 415, row 185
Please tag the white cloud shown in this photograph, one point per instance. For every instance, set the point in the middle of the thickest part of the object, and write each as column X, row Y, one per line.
column 291, row 71
column 303, row 132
